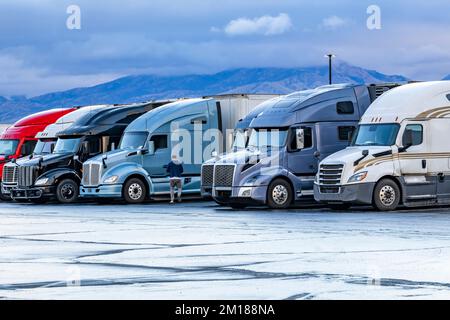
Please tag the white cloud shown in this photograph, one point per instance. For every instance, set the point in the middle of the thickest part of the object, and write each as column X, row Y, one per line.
column 334, row 22
column 266, row 25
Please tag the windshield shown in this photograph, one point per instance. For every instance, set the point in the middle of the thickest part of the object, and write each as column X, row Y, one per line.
column 67, row 145
column 44, row 147
column 240, row 139
column 133, row 140
column 8, row 147
column 376, row 135
column 267, row 138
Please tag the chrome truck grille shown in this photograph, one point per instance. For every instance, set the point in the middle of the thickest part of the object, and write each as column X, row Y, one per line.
column 330, row 176
column 26, row 176
column 223, row 175
column 91, row 174
column 9, row 174
column 207, row 175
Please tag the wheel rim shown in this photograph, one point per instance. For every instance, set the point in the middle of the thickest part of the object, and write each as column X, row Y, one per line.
column 135, row 191
column 67, row 191
column 280, row 194
column 387, row 195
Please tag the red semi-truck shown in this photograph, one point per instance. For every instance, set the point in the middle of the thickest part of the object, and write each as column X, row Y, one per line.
column 19, row 140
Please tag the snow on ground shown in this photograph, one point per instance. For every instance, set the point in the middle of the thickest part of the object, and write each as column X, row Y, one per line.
column 198, row 250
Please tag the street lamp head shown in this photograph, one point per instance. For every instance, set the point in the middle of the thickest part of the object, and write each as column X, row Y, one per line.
column 330, row 55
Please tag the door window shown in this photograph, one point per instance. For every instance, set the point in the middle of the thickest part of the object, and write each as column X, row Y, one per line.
column 308, row 143
column 160, row 141
column 416, row 132
column 345, row 132
column 28, row 147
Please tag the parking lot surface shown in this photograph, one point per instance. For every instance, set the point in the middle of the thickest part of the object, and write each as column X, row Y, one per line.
column 198, row 250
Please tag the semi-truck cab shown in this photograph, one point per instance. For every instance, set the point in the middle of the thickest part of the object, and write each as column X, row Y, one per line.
column 240, row 139
column 58, row 175
column 286, row 142
column 20, row 140
column 194, row 129
column 45, row 144
column 399, row 154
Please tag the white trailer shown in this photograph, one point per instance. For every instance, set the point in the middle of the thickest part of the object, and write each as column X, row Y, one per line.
column 400, row 153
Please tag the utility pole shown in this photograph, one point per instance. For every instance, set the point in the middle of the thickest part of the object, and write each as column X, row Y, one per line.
column 330, row 57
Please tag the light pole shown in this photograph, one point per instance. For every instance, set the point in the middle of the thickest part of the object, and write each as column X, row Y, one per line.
column 330, row 57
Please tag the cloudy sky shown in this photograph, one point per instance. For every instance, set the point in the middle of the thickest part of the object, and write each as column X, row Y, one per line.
column 39, row 54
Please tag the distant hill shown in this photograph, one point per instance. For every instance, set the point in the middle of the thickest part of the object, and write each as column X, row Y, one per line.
column 447, row 77
column 148, row 87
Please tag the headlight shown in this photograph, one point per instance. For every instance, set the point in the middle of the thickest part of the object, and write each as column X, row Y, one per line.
column 110, row 180
column 42, row 182
column 358, row 177
column 245, row 192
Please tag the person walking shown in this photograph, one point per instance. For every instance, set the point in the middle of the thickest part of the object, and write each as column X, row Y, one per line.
column 175, row 169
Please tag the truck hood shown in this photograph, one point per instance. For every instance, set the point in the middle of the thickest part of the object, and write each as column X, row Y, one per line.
column 47, row 159
column 351, row 154
column 115, row 157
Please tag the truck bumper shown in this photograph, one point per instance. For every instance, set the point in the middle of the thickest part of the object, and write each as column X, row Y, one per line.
column 242, row 195
column 102, row 191
column 6, row 189
column 357, row 193
column 34, row 193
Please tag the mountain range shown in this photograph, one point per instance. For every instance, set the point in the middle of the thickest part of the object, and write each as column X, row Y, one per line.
column 138, row 88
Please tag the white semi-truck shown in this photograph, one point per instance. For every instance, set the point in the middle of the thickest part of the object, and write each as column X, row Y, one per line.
column 400, row 154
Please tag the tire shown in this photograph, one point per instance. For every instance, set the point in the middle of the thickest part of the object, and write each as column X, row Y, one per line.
column 237, row 206
column 135, row 191
column 386, row 196
column 279, row 194
column 67, row 191
column 340, row 207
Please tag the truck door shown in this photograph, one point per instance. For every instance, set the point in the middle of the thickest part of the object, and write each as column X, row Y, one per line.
column 155, row 163
column 414, row 163
column 439, row 161
column 302, row 163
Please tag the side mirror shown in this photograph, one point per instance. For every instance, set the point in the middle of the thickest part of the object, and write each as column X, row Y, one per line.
column 151, row 148
column 299, row 139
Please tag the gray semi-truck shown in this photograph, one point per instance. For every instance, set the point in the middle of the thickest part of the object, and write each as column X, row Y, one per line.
column 285, row 143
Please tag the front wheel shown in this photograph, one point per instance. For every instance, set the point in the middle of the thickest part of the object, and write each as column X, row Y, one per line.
column 67, row 191
column 386, row 195
column 135, row 191
column 279, row 195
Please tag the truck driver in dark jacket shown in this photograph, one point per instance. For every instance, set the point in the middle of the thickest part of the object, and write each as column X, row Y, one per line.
column 175, row 170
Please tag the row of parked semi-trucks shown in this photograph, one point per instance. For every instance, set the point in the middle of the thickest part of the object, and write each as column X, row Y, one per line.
column 382, row 145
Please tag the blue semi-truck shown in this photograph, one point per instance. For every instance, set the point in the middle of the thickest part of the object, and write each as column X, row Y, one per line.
column 285, row 143
column 194, row 129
